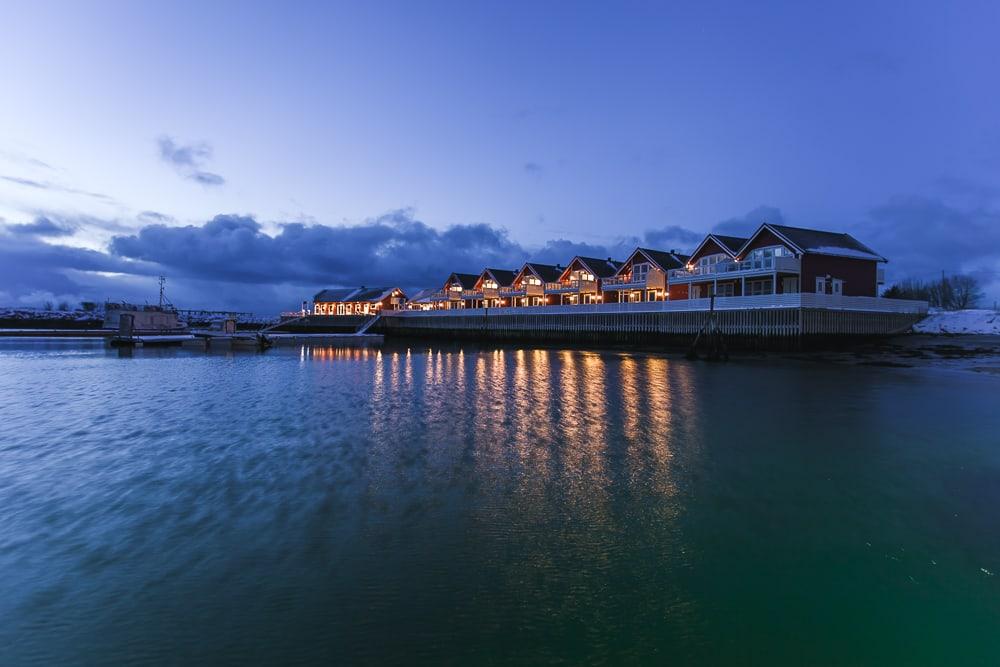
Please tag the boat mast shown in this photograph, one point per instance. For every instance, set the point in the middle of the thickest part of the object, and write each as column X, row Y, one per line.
column 163, row 282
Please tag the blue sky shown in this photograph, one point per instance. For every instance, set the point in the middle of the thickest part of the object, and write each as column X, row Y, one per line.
column 329, row 137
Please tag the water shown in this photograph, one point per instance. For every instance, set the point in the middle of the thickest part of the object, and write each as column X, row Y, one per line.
column 454, row 506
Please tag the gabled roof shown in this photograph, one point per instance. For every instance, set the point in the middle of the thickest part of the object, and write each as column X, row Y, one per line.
column 730, row 244
column 818, row 242
column 503, row 277
column 466, row 280
column 423, row 296
column 547, row 273
column 354, row 294
column 601, row 268
column 662, row 259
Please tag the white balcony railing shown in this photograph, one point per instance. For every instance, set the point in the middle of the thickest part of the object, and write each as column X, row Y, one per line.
column 650, row 280
column 571, row 286
column 791, row 300
column 736, row 269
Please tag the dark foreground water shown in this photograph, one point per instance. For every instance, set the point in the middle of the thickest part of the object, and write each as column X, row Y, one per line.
column 454, row 506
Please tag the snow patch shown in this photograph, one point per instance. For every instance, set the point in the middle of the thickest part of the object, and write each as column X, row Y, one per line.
column 960, row 322
column 844, row 252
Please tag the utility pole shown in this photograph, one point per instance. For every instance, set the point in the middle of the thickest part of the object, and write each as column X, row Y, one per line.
column 163, row 282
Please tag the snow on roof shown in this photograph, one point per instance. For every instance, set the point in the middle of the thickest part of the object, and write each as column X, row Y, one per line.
column 845, row 252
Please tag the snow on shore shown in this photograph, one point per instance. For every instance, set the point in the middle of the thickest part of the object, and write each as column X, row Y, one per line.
column 959, row 322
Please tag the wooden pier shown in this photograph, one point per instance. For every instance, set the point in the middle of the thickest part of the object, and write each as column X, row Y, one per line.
column 783, row 321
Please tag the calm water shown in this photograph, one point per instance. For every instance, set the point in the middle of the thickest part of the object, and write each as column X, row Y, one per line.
column 486, row 506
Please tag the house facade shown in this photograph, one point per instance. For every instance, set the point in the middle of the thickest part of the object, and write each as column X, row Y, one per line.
column 493, row 288
column 643, row 276
column 358, row 300
column 457, row 292
column 529, row 284
column 778, row 259
column 582, row 281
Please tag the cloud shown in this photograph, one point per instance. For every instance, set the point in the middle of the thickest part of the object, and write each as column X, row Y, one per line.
column 188, row 160
column 230, row 261
column 674, row 237
column 533, row 168
column 923, row 236
column 21, row 158
column 746, row 224
column 154, row 216
column 206, row 178
column 55, row 187
column 394, row 248
column 42, row 226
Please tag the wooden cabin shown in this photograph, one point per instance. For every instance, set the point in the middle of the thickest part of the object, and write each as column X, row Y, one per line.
column 493, row 288
column 358, row 300
column 643, row 276
column 530, row 283
column 581, row 281
column 458, row 291
column 778, row 259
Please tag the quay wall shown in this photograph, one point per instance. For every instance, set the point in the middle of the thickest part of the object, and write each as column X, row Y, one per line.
column 793, row 326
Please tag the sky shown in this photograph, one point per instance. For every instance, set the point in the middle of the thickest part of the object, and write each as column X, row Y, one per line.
column 255, row 153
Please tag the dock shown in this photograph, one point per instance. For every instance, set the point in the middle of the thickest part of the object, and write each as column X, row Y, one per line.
column 775, row 321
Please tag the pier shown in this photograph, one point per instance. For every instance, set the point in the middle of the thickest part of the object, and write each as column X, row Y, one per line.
column 774, row 321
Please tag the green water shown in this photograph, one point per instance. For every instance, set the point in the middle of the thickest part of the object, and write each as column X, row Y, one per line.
column 466, row 506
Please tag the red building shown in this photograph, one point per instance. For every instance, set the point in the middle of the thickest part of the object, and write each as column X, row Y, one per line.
column 643, row 276
column 778, row 259
column 581, row 281
column 530, row 283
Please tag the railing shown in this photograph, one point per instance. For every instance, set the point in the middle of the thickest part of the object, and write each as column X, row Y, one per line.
column 651, row 280
column 793, row 300
column 572, row 286
column 469, row 294
column 755, row 265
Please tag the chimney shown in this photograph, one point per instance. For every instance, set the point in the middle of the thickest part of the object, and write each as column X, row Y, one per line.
column 609, row 259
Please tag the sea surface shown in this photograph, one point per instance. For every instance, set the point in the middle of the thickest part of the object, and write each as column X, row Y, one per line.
column 450, row 505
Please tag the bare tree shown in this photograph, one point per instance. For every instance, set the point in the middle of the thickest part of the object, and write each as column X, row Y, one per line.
column 965, row 292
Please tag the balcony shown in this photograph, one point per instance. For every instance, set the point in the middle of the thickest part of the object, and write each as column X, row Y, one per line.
column 651, row 280
column 524, row 289
column 747, row 267
column 571, row 287
column 469, row 294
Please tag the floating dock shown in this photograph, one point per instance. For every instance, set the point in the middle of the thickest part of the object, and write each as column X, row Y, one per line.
column 782, row 321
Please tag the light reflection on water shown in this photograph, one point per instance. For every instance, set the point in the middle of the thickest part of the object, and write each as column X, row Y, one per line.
column 448, row 504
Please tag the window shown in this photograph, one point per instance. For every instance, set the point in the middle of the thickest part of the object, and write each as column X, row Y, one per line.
column 707, row 263
column 821, row 286
column 725, row 289
column 790, row 285
column 838, row 286
column 639, row 272
column 759, row 287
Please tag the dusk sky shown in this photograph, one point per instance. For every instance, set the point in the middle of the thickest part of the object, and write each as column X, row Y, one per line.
column 256, row 153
